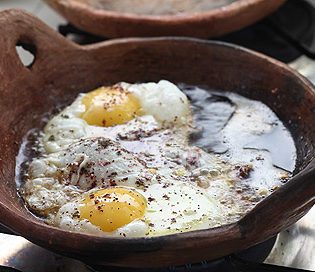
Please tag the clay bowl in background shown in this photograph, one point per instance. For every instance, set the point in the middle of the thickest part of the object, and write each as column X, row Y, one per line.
column 206, row 24
column 62, row 69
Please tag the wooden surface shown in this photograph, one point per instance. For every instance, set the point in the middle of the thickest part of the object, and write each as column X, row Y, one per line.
column 62, row 69
column 206, row 24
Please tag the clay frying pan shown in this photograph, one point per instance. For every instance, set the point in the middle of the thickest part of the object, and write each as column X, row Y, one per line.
column 62, row 69
column 209, row 23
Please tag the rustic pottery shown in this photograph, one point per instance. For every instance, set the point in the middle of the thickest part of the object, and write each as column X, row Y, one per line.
column 62, row 69
column 205, row 24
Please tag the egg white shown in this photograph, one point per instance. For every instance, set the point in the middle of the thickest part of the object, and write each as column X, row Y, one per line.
column 185, row 187
column 66, row 220
column 163, row 100
column 163, row 104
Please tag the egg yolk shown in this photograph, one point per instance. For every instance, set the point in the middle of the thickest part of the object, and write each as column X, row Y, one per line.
column 112, row 208
column 109, row 106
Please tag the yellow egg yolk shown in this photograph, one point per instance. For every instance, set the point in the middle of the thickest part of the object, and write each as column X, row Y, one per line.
column 109, row 106
column 112, row 208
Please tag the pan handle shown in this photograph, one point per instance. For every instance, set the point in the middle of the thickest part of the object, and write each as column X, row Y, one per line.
column 283, row 207
column 18, row 27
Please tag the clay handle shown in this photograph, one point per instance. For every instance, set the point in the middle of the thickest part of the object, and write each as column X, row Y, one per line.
column 18, row 27
column 286, row 205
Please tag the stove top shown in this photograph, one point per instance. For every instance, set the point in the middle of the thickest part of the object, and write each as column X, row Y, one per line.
column 287, row 35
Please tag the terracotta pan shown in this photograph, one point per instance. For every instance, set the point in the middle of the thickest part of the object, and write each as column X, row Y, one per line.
column 205, row 24
column 62, row 69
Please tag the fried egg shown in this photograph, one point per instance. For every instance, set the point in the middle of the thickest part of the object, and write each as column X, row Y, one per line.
column 119, row 162
column 116, row 105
